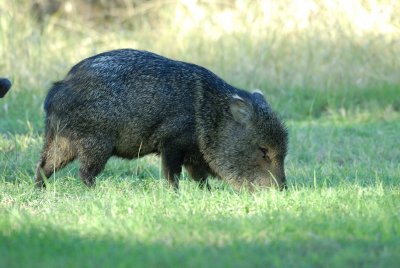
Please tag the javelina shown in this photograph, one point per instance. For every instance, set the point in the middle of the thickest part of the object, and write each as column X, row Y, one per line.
column 5, row 85
column 131, row 103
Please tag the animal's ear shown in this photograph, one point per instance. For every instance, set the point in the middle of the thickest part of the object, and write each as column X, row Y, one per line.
column 258, row 97
column 241, row 110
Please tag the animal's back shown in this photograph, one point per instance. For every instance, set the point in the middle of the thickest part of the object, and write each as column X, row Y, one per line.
column 135, row 98
column 123, row 74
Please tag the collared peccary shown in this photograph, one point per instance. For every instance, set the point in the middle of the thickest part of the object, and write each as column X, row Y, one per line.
column 131, row 103
column 5, row 85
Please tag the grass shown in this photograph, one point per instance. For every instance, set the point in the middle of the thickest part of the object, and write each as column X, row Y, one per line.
column 132, row 223
column 337, row 90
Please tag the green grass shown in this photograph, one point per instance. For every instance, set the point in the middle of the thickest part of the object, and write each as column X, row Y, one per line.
column 333, row 80
column 132, row 223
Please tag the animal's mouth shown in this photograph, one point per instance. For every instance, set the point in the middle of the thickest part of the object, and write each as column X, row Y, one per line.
column 274, row 179
column 270, row 182
column 254, row 184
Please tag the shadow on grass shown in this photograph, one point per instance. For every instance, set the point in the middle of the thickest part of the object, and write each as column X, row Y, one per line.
column 56, row 248
column 300, row 104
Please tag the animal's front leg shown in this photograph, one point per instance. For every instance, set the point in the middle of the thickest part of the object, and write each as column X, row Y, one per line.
column 172, row 160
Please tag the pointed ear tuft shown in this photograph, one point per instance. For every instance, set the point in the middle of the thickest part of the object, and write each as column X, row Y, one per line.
column 259, row 98
column 258, row 91
column 241, row 110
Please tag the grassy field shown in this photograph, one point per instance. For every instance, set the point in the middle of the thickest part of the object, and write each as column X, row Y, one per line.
column 337, row 90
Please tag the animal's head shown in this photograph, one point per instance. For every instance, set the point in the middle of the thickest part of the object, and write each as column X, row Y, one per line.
column 253, row 144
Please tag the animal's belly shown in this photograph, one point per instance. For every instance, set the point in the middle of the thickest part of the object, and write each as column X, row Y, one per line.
column 131, row 145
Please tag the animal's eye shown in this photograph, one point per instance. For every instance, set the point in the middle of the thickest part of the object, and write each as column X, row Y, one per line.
column 265, row 154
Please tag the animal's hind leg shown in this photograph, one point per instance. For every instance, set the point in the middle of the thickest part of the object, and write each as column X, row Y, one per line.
column 93, row 155
column 57, row 153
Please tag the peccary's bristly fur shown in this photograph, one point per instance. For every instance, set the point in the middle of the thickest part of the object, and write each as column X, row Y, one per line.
column 5, row 85
column 131, row 103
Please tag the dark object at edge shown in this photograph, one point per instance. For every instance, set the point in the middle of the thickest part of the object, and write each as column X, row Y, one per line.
column 5, row 85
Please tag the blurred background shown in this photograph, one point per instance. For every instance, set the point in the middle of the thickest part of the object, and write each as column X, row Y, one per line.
column 298, row 52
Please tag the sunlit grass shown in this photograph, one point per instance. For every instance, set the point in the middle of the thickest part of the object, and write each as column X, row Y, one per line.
column 147, row 223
